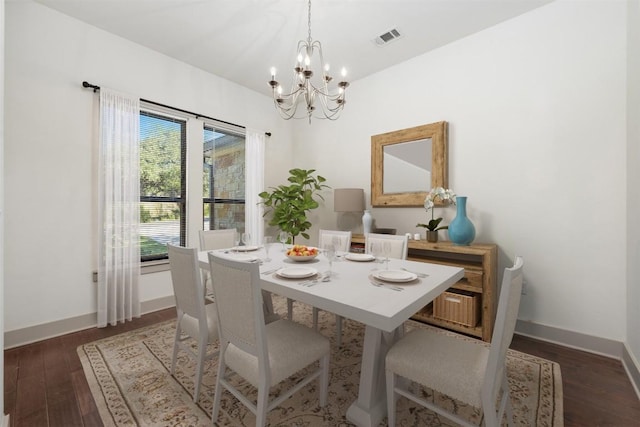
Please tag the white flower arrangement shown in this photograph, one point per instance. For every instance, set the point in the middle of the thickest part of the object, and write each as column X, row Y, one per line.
column 446, row 196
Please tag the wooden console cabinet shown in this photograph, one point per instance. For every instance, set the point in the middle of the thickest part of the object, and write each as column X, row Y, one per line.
column 480, row 263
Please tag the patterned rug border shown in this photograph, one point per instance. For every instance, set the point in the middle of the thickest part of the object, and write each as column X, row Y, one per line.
column 115, row 410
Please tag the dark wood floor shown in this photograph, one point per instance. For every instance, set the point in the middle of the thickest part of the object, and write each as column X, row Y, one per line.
column 44, row 384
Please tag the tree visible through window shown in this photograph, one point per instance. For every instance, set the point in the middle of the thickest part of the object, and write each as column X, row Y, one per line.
column 223, row 180
column 162, row 184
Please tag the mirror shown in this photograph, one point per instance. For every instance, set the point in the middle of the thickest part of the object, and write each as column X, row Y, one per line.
column 407, row 163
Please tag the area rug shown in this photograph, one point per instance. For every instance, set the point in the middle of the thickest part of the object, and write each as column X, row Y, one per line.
column 129, row 378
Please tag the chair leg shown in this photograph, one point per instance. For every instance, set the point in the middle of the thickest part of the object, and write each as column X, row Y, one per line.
column 324, row 380
column 218, row 393
column 289, row 309
column 391, row 399
column 315, row 318
column 176, row 342
column 339, row 330
column 261, row 405
column 491, row 416
column 202, row 355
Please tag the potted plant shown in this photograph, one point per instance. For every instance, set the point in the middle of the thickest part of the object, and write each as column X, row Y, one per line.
column 445, row 196
column 289, row 204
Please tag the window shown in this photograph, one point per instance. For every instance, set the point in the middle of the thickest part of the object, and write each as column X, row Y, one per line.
column 223, row 190
column 162, row 184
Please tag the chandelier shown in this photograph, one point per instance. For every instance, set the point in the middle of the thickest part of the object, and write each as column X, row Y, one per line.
column 320, row 101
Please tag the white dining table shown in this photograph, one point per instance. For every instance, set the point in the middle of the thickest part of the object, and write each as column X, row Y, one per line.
column 351, row 295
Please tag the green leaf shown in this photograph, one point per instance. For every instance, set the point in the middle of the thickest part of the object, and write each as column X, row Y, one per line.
column 433, row 225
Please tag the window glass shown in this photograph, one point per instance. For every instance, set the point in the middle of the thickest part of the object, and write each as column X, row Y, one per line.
column 162, row 184
column 223, row 179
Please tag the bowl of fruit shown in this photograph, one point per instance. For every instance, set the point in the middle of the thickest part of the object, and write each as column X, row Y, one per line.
column 301, row 253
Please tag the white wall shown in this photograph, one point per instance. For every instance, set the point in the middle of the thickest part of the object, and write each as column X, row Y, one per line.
column 50, row 150
column 537, row 113
column 633, row 180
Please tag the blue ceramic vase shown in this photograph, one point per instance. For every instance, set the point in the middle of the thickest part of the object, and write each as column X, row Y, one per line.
column 461, row 230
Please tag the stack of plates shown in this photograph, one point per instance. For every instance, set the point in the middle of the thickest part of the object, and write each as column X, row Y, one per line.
column 296, row 272
column 394, row 276
column 359, row 257
column 245, row 248
column 243, row 257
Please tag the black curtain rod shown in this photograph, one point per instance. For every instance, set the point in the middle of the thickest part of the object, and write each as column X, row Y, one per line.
column 97, row 88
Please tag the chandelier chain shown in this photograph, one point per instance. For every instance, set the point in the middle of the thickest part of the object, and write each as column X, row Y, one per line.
column 309, row 21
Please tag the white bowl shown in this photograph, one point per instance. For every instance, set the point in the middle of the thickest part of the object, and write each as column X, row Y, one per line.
column 300, row 258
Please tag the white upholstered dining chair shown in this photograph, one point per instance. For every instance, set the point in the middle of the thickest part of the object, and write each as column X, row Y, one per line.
column 194, row 319
column 399, row 244
column 223, row 239
column 215, row 239
column 464, row 369
column 262, row 354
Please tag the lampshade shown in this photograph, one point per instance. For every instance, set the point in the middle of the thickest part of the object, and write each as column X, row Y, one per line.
column 348, row 200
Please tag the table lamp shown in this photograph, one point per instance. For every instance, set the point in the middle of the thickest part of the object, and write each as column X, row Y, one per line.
column 349, row 200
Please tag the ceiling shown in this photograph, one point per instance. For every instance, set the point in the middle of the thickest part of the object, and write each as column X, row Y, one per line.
column 241, row 40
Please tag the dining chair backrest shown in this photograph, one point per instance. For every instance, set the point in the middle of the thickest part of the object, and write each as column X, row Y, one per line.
column 217, row 239
column 236, row 288
column 187, row 282
column 399, row 244
column 343, row 238
column 506, row 317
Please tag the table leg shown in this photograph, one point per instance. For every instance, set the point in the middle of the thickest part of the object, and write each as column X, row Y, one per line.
column 267, row 301
column 371, row 406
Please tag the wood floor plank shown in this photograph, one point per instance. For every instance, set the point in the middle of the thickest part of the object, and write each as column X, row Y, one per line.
column 30, row 361
column 34, row 419
column 86, row 403
column 64, row 413
column 31, row 402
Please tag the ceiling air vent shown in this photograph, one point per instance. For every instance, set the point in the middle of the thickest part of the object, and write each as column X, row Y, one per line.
column 387, row 37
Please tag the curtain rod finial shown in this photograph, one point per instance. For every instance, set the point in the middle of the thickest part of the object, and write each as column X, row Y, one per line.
column 89, row 85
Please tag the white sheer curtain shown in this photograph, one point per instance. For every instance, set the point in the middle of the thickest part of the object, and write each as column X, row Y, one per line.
column 254, row 182
column 119, row 201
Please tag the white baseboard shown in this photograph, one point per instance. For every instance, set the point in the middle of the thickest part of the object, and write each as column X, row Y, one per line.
column 632, row 367
column 579, row 341
column 6, row 421
column 45, row 331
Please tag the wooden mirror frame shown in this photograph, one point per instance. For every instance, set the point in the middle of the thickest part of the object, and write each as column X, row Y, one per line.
column 438, row 132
